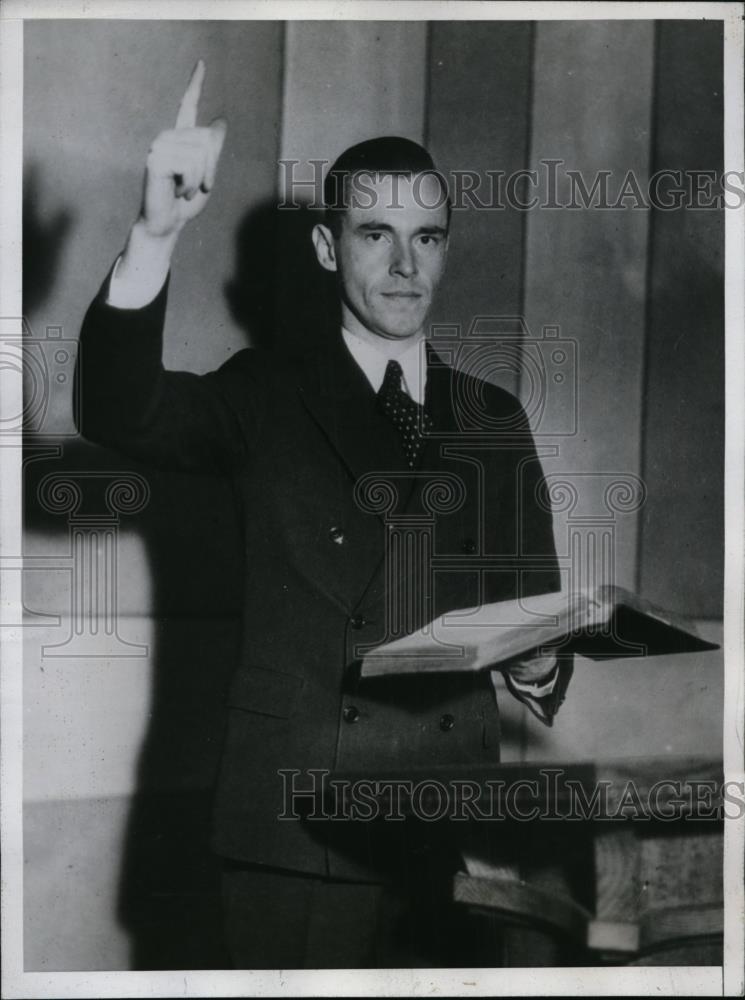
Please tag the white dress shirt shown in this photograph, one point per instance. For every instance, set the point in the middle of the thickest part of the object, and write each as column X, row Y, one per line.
column 374, row 362
column 140, row 290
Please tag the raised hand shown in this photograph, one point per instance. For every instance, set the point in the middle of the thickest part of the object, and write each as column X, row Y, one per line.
column 181, row 166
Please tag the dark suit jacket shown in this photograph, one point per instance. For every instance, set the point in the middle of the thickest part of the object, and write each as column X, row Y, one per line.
column 299, row 437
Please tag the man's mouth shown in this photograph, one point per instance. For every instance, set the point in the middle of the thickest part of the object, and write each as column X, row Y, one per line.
column 402, row 295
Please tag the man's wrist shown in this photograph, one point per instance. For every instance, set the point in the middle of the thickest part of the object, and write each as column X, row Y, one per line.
column 541, row 686
column 142, row 269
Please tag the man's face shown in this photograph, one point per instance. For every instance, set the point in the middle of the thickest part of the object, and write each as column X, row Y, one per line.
column 390, row 253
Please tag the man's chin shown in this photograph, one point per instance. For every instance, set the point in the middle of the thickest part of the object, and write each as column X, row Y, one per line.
column 400, row 334
column 400, row 328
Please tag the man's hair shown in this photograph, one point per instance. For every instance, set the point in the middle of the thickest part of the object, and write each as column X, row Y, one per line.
column 388, row 154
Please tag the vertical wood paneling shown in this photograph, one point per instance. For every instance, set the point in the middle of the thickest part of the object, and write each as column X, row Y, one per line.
column 683, row 524
column 96, row 94
column 585, row 269
column 343, row 82
column 224, row 251
column 346, row 81
column 89, row 121
column 478, row 121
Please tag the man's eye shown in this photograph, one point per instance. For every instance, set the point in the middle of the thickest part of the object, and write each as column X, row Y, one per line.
column 375, row 237
column 427, row 240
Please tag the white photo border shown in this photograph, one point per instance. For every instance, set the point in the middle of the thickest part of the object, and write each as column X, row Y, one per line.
column 618, row 981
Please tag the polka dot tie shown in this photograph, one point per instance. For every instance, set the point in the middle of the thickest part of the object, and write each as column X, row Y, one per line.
column 409, row 418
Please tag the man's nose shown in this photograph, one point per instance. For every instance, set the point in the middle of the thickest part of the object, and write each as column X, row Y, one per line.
column 403, row 261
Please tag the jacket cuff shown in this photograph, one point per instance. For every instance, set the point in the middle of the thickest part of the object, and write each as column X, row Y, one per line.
column 124, row 293
column 539, row 689
column 545, row 708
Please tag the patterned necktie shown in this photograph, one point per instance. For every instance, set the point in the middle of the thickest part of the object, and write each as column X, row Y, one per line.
column 409, row 418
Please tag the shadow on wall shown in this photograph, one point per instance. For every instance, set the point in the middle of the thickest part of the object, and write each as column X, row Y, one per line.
column 279, row 295
column 169, row 882
column 43, row 239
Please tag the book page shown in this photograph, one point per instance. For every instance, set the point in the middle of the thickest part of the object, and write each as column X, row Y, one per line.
column 478, row 637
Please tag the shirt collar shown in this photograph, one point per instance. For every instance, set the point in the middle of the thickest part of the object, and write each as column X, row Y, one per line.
column 374, row 362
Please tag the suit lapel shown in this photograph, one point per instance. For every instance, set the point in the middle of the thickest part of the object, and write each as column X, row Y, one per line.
column 440, row 404
column 343, row 403
column 340, row 399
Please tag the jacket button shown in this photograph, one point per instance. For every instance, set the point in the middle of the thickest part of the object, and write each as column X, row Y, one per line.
column 351, row 713
column 468, row 547
column 336, row 535
column 358, row 622
column 447, row 722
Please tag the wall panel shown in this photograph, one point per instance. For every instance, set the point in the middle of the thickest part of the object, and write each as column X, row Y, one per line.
column 478, row 121
column 346, row 81
column 585, row 270
column 682, row 548
column 99, row 732
column 89, row 123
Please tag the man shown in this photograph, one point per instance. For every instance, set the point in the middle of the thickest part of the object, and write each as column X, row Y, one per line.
column 328, row 452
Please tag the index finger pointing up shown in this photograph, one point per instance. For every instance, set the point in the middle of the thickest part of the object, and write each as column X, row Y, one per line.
column 187, row 112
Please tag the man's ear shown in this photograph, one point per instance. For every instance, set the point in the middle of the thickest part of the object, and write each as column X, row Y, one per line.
column 323, row 241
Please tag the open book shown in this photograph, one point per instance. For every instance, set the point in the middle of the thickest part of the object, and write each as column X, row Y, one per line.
column 604, row 623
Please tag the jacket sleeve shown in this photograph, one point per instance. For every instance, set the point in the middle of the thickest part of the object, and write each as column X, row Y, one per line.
column 537, row 560
column 128, row 402
column 539, row 573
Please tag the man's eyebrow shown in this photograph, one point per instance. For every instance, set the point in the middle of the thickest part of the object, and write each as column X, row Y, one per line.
column 366, row 227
